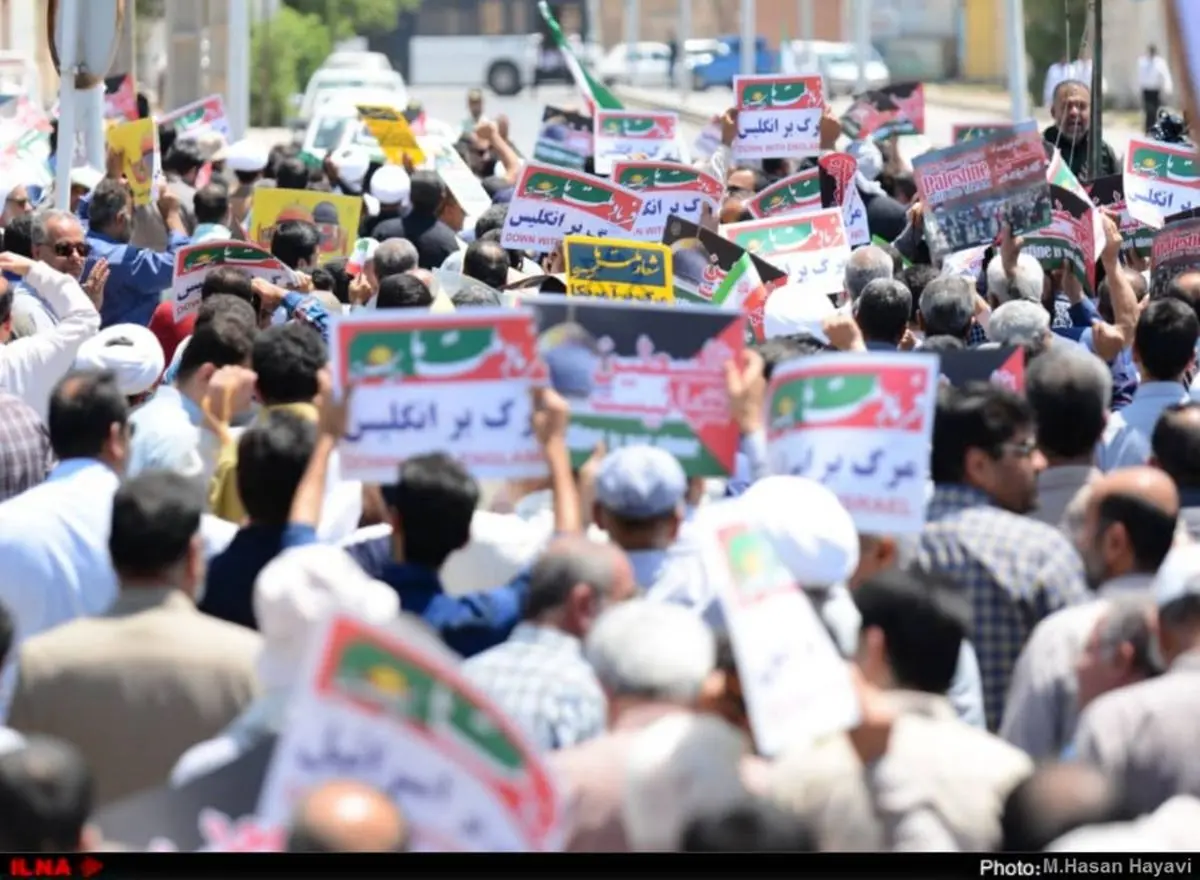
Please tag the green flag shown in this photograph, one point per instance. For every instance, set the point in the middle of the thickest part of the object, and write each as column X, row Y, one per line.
column 595, row 96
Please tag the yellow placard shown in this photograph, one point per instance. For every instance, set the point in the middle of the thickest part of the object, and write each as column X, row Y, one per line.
column 388, row 126
column 335, row 216
column 619, row 269
column 137, row 143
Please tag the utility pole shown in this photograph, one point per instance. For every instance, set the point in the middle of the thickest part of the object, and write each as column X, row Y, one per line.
column 862, row 40
column 749, row 38
column 68, row 64
column 683, row 35
column 1018, row 75
column 1096, row 126
column 237, row 77
column 632, row 13
column 594, row 27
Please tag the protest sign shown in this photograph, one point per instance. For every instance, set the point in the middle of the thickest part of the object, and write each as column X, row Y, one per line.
column 970, row 188
column 798, row 194
column 862, row 425
column 388, row 707
column 120, row 98
column 965, row 264
column 1070, row 237
column 211, row 813
column 743, row 290
column 335, row 216
column 1003, row 366
column 1109, row 192
column 779, row 115
column 137, row 145
column 962, row 133
column 643, row 374
column 622, row 270
column 896, row 109
column 1176, row 250
column 193, row 263
column 630, row 135
column 838, row 190
column 702, row 258
column 207, row 114
column 549, row 204
column 441, row 156
column 457, row 383
column 565, row 139
column 812, row 249
column 795, row 684
column 391, row 130
column 669, row 188
column 1160, row 180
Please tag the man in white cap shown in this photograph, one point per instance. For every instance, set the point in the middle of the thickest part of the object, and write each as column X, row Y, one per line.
column 131, row 352
column 293, row 596
column 390, row 186
column 247, row 160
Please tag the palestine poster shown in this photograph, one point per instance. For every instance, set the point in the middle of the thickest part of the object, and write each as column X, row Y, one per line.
column 644, row 374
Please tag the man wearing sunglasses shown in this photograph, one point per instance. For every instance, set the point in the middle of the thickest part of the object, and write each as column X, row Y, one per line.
column 57, row 239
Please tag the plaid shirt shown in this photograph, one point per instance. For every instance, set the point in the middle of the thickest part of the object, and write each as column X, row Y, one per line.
column 977, row 337
column 540, row 678
column 25, row 456
column 1016, row 571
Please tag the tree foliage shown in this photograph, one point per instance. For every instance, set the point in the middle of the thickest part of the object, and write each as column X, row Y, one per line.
column 348, row 18
column 1049, row 26
column 284, row 52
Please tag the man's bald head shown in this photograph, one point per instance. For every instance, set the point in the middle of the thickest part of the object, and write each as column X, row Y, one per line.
column 345, row 817
column 1056, row 799
column 573, row 579
column 1129, row 523
column 1175, row 444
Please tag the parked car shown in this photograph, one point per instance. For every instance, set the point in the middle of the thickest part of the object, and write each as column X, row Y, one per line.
column 324, row 82
column 354, row 60
column 649, row 64
column 725, row 62
column 838, row 64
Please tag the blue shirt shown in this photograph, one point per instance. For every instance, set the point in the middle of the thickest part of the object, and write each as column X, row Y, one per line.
column 229, row 583
column 137, row 277
column 1124, row 372
column 468, row 624
column 1126, row 440
column 166, row 435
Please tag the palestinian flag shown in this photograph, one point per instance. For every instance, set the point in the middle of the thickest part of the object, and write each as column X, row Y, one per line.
column 744, row 290
column 595, row 96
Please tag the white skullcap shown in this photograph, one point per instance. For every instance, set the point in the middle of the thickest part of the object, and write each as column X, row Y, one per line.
column 655, row 650
column 812, row 532
column 86, row 177
column 791, row 309
column 129, row 350
column 298, row 591
column 247, row 156
column 679, row 766
column 352, row 164
column 391, row 185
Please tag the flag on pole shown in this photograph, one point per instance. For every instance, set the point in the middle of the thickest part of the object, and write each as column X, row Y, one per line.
column 595, row 95
column 787, row 58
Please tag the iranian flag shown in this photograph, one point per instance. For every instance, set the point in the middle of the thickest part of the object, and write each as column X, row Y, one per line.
column 595, row 96
column 744, row 290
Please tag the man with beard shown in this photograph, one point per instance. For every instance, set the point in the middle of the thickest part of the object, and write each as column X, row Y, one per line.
column 137, row 276
column 1071, row 134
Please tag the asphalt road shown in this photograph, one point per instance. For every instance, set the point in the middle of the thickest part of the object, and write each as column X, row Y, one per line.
column 524, row 113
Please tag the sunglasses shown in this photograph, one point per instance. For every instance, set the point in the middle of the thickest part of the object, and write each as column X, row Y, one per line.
column 66, row 248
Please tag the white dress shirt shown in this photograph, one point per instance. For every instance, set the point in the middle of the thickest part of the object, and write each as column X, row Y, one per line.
column 54, row 543
column 1153, row 74
column 31, row 366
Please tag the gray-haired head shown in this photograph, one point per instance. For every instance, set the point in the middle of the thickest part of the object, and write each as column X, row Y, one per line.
column 1026, row 283
column 947, row 307
column 865, row 265
column 1069, row 371
column 394, row 256
column 477, row 296
column 1019, row 322
column 651, row 651
column 1131, row 622
column 39, row 232
column 569, row 563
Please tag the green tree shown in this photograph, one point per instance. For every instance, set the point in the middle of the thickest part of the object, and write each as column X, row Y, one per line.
column 348, row 18
column 284, row 52
column 1048, row 24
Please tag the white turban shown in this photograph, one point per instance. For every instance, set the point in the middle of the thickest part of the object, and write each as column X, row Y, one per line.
column 129, row 350
column 390, row 184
